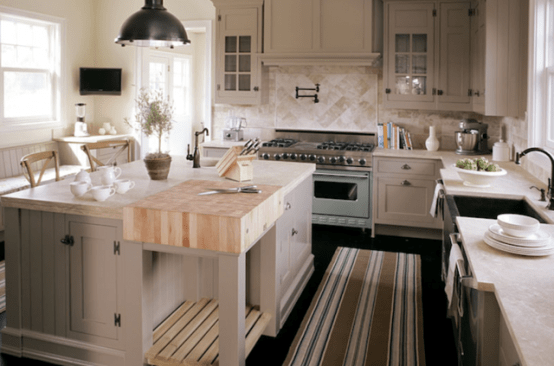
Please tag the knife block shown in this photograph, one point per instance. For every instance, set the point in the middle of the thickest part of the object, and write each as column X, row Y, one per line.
column 234, row 166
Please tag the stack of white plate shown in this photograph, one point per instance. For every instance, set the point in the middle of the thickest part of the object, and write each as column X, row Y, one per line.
column 519, row 234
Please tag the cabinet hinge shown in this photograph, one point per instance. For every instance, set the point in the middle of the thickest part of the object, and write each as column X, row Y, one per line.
column 471, row 12
column 387, row 91
column 116, row 248
column 117, row 320
column 434, row 12
column 68, row 240
column 218, row 87
column 219, row 18
column 469, row 92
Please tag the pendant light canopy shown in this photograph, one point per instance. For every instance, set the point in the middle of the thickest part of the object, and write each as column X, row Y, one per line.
column 152, row 26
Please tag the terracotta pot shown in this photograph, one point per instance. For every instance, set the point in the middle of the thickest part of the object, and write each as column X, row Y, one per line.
column 158, row 168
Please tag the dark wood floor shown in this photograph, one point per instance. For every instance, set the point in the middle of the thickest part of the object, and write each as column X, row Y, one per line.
column 439, row 343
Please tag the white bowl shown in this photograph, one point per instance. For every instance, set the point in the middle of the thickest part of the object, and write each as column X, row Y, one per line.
column 518, row 225
column 478, row 178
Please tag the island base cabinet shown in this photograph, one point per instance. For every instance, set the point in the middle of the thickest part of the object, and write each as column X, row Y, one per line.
column 285, row 257
column 68, row 307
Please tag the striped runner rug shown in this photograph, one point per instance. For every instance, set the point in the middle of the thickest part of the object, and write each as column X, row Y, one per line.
column 367, row 311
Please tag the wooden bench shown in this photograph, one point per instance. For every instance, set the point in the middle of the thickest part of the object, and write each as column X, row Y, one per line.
column 11, row 172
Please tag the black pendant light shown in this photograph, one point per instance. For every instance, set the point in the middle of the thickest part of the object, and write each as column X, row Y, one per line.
column 152, row 26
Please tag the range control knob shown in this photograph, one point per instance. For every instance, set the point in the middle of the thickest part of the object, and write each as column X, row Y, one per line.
column 342, row 159
column 285, row 156
column 303, row 156
column 349, row 161
column 362, row 161
column 277, row 157
column 312, row 157
column 321, row 159
column 293, row 156
column 333, row 160
column 265, row 156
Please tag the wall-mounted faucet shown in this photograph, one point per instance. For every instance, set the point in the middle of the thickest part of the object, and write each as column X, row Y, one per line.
column 550, row 190
column 195, row 156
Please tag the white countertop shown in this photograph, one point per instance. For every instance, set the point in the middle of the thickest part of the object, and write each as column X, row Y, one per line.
column 56, row 197
column 221, row 144
column 523, row 287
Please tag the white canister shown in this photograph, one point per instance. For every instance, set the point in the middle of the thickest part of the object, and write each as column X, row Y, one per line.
column 501, row 151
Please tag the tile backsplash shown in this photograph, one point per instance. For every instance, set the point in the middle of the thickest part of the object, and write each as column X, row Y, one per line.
column 350, row 99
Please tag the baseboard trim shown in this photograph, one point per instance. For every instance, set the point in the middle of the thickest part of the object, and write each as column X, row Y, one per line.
column 408, row 232
column 58, row 350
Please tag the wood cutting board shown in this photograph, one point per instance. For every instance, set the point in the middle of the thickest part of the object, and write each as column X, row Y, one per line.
column 227, row 222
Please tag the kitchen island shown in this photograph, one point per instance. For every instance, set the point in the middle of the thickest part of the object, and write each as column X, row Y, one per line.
column 80, row 292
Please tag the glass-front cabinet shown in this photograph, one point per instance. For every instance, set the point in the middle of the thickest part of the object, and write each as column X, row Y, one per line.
column 238, row 46
column 426, row 55
column 410, row 51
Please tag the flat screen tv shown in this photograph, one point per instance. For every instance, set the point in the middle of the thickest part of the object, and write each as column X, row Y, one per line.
column 93, row 80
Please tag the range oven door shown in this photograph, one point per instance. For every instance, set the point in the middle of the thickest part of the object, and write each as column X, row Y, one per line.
column 342, row 193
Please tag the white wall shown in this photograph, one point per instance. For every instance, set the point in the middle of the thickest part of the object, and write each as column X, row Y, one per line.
column 92, row 26
column 80, row 51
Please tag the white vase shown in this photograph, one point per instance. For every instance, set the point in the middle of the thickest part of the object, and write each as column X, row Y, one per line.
column 432, row 142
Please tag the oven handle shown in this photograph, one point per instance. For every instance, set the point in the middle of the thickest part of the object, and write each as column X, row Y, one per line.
column 342, row 175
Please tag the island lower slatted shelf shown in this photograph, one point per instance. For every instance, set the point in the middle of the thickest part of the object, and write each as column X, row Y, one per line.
column 189, row 336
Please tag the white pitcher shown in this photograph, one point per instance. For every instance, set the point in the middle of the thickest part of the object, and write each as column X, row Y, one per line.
column 108, row 174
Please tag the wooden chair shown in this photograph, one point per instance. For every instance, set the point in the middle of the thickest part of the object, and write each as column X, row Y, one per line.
column 29, row 159
column 94, row 162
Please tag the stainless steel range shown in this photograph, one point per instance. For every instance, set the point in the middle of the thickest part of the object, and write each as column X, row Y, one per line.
column 343, row 176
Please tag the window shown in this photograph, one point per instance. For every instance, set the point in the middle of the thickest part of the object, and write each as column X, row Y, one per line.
column 30, row 70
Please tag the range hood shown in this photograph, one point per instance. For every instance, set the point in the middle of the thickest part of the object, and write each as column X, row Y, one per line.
column 320, row 59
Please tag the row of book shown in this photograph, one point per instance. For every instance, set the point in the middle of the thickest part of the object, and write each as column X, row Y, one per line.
column 392, row 136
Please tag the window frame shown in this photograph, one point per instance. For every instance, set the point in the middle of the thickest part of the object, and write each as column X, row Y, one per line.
column 56, row 72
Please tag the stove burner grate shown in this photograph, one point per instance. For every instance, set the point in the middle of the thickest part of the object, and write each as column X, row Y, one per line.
column 331, row 145
column 279, row 143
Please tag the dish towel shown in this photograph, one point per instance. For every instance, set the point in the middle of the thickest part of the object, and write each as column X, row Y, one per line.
column 455, row 254
column 434, row 207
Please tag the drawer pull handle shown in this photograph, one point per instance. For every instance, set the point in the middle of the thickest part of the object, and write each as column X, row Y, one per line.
column 294, row 232
column 406, row 167
column 288, row 206
column 406, row 183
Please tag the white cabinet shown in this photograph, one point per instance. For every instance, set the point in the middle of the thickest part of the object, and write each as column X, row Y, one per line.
column 238, row 45
column 403, row 192
column 499, row 64
column 287, row 254
column 426, row 55
column 318, row 26
column 93, row 280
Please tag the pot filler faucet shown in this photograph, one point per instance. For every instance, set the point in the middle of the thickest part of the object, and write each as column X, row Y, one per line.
column 550, row 193
column 195, row 157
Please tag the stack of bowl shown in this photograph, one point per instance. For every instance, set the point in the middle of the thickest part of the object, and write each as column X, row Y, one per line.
column 519, row 234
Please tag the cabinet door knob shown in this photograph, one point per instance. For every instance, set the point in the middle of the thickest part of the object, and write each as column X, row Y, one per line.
column 477, row 93
column 294, row 232
column 440, row 92
column 256, row 88
column 405, row 183
column 406, row 167
column 288, row 206
column 68, row 240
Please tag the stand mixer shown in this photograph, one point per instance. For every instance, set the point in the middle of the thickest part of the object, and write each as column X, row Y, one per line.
column 473, row 138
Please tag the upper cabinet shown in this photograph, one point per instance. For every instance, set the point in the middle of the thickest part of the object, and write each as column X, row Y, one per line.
column 426, row 55
column 238, row 47
column 456, row 56
column 308, row 29
column 499, row 57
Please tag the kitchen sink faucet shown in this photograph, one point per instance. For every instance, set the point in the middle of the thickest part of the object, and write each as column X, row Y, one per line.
column 550, row 190
column 195, row 156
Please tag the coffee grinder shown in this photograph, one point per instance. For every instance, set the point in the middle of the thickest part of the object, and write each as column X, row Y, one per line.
column 80, row 124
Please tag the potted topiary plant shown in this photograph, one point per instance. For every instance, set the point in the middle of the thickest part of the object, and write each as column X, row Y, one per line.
column 153, row 117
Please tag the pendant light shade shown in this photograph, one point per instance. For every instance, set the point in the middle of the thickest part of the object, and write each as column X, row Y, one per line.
column 152, row 26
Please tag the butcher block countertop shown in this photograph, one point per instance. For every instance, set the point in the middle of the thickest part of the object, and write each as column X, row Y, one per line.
column 228, row 222
column 56, row 197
